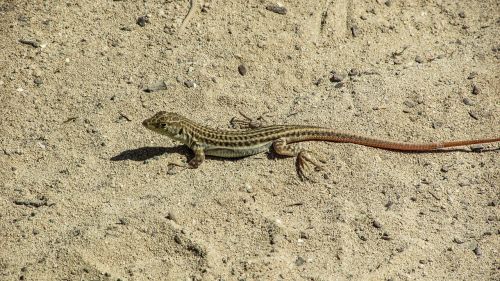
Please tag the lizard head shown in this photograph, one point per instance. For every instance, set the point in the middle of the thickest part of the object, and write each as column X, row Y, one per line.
column 165, row 123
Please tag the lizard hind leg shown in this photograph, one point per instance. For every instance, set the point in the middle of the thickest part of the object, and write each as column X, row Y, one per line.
column 305, row 158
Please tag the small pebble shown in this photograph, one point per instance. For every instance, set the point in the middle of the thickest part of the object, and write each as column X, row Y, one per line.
column 142, row 21
column 388, row 3
column 248, row 188
column 38, row 81
column 472, row 75
column 478, row 251
column 171, row 216
column 277, row 9
column 409, row 103
column 437, row 124
column 354, row 31
column 467, row 101
column 445, row 169
column 123, row 221
column 385, row 236
column 461, row 14
column 419, row 59
column 336, row 77
column 242, row 69
column 158, row 86
column 476, row 90
column 189, row 83
column 353, row 72
column 477, row 147
column 300, row 261
column 377, row 224
column 474, row 114
column 458, row 240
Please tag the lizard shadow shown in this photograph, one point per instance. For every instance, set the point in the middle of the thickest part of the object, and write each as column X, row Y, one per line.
column 145, row 153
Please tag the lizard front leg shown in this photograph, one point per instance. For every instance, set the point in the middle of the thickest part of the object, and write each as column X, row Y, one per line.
column 304, row 157
column 199, row 156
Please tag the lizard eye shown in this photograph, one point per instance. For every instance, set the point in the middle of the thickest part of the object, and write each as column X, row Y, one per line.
column 181, row 131
column 163, row 125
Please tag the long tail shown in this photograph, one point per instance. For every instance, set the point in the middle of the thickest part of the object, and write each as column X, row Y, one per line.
column 333, row 136
column 416, row 147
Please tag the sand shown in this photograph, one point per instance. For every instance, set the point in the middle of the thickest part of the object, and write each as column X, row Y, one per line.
column 86, row 192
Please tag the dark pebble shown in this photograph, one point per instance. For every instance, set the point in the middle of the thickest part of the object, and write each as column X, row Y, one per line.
column 419, row 59
column 142, row 20
column 388, row 3
column 385, row 236
column 461, row 14
column 476, row 90
column 242, row 69
column 277, row 9
column 467, row 101
column 445, row 169
column 300, row 261
column 478, row 251
column 336, row 77
column 189, row 83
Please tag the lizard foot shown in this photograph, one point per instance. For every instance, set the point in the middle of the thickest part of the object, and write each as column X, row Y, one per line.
column 305, row 160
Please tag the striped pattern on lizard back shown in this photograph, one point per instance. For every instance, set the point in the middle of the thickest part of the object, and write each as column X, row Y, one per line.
column 238, row 143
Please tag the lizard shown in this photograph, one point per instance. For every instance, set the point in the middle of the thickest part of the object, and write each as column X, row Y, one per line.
column 203, row 140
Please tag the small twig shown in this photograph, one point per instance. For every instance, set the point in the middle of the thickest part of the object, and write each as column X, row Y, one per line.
column 125, row 116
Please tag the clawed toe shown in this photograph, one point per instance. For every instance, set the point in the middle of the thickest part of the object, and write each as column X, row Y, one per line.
column 304, row 163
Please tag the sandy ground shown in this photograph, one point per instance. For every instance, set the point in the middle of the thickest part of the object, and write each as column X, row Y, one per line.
column 86, row 192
